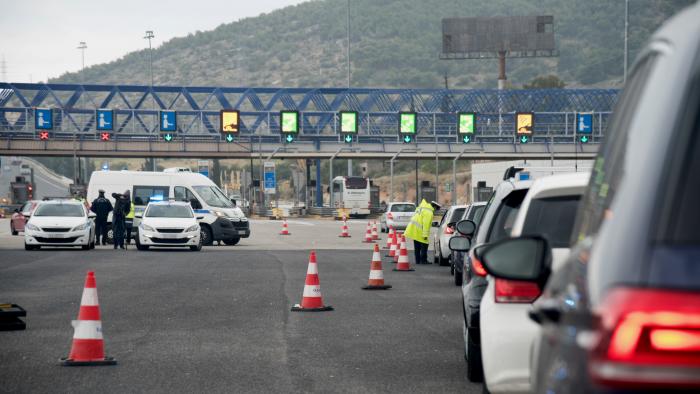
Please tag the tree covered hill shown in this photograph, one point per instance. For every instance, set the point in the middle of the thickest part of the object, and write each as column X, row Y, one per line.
column 394, row 43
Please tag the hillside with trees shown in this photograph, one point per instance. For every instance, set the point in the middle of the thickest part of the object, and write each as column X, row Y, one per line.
column 394, row 43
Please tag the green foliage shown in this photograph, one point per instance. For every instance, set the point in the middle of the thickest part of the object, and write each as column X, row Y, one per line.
column 394, row 43
column 545, row 82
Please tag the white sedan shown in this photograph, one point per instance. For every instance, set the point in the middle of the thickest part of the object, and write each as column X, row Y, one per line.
column 169, row 224
column 60, row 223
column 397, row 215
column 549, row 210
column 441, row 238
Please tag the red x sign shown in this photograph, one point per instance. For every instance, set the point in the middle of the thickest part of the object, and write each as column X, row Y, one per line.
column 43, row 135
column 104, row 136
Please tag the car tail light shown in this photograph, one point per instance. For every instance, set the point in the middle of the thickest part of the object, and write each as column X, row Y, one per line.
column 516, row 292
column 449, row 230
column 648, row 338
column 477, row 266
column 390, row 216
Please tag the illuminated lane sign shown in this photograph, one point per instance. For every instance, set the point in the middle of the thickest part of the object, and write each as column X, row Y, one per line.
column 289, row 125
column 584, row 127
column 105, row 119
column 43, row 119
column 348, row 122
column 524, row 125
column 407, row 126
column 466, row 126
column 230, row 119
column 168, row 121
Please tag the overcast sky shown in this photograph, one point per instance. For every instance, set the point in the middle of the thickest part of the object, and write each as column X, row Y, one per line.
column 39, row 38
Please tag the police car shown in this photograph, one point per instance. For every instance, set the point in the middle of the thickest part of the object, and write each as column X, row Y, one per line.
column 169, row 224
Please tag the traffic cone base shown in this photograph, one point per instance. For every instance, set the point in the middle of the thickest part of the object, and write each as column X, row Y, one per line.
column 375, row 287
column 408, row 270
column 66, row 362
column 298, row 308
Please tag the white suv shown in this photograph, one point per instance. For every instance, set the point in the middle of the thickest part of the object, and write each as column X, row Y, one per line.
column 168, row 224
column 60, row 223
column 548, row 210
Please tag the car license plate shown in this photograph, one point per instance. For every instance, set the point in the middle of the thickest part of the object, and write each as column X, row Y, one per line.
column 241, row 232
column 54, row 235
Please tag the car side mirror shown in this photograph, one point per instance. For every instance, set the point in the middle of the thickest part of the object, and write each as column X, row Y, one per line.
column 436, row 224
column 460, row 244
column 92, row 215
column 200, row 217
column 138, row 215
column 466, row 227
column 526, row 258
column 26, row 214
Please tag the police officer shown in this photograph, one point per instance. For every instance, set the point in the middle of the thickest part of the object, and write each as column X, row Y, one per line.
column 129, row 223
column 419, row 229
column 122, row 207
column 101, row 206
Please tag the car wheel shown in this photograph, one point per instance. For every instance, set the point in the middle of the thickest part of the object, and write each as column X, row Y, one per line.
column 458, row 278
column 110, row 236
column 197, row 247
column 139, row 246
column 232, row 241
column 475, row 371
column 443, row 261
column 12, row 229
column 452, row 269
column 85, row 247
column 205, row 235
column 29, row 247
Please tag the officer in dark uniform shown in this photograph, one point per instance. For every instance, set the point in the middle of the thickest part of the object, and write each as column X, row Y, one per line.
column 101, row 207
column 122, row 206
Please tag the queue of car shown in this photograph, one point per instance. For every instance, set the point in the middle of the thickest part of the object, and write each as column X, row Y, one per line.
column 590, row 283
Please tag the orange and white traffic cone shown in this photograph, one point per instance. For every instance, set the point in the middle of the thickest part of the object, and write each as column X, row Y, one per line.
column 400, row 245
column 344, row 230
column 368, row 234
column 376, row 273
column 403, row 264
column 393, row 247
column 375, row 234
column 311, row 300
column 88, row 343
column 389, row 238
column 285, row 228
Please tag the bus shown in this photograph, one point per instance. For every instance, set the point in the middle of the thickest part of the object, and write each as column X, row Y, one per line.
column 352, row 193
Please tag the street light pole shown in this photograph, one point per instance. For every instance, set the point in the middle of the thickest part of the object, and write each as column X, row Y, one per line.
column 82, row 46
column 627, row 8
column 348, row 60
column 149, row 36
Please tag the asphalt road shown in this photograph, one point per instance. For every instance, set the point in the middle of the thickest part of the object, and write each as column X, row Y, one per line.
column 220, row 321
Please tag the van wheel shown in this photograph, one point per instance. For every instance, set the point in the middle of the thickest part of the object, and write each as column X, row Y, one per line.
column 232, row 241
column 205, row 235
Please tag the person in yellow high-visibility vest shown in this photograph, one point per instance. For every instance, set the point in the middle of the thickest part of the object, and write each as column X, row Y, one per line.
column 419, row 229
column 129, row 219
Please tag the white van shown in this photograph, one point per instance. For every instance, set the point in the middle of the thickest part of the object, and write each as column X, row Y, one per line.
column 222, row 220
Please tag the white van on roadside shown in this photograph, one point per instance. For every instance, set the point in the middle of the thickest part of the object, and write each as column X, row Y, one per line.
column 222, row 220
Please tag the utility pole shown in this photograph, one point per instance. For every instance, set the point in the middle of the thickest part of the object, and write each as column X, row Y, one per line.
column 627, row 8
column 82, row 46
column 149, row 36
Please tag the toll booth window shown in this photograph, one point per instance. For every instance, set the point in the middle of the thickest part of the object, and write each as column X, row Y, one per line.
column 144, row 194
column 356, row 183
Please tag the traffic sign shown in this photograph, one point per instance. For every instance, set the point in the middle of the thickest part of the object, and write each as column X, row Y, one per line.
column 229, row 138
column 43, row 135
column 289, row 121
column 229, row 121
column 105, row 136
column 407, row 122
column 168, row 137
column 270, row 180
column 584, row 127
column 105, row 119
column 466, row 123
column 348, row 138
column 524, row 125
column 348, row 122
column 466, row 139
column 43, row 119
column 168, row 121
column 203, row 167
column 407, row 139
column 289, row 138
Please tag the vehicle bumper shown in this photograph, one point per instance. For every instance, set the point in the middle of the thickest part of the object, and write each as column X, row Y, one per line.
column 397, row 225
column 506, row 329
column 70, row 238
column 153, row 238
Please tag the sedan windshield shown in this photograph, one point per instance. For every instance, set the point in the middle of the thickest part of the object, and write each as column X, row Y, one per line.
column 62, row 210
column 213, row 196
column 169, row 211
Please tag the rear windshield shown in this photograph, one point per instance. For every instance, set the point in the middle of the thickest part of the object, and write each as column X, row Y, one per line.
column 64, row 210
column 476, row 213
column 403, row 208
column 456, row 215
column 552, row 218
column 503, row 222
column 168, row 211
column 355, row 183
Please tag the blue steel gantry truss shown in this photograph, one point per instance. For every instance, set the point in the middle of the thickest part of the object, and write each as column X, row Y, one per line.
column 136, row 108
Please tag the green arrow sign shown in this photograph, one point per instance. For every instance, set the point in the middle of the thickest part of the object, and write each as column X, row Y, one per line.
column 168, row 137
column 584, row 139
column 524, row 139
column 466, row 139
column 229, row 138
column 407, row 139
column 290, row 138
column 348, row 138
